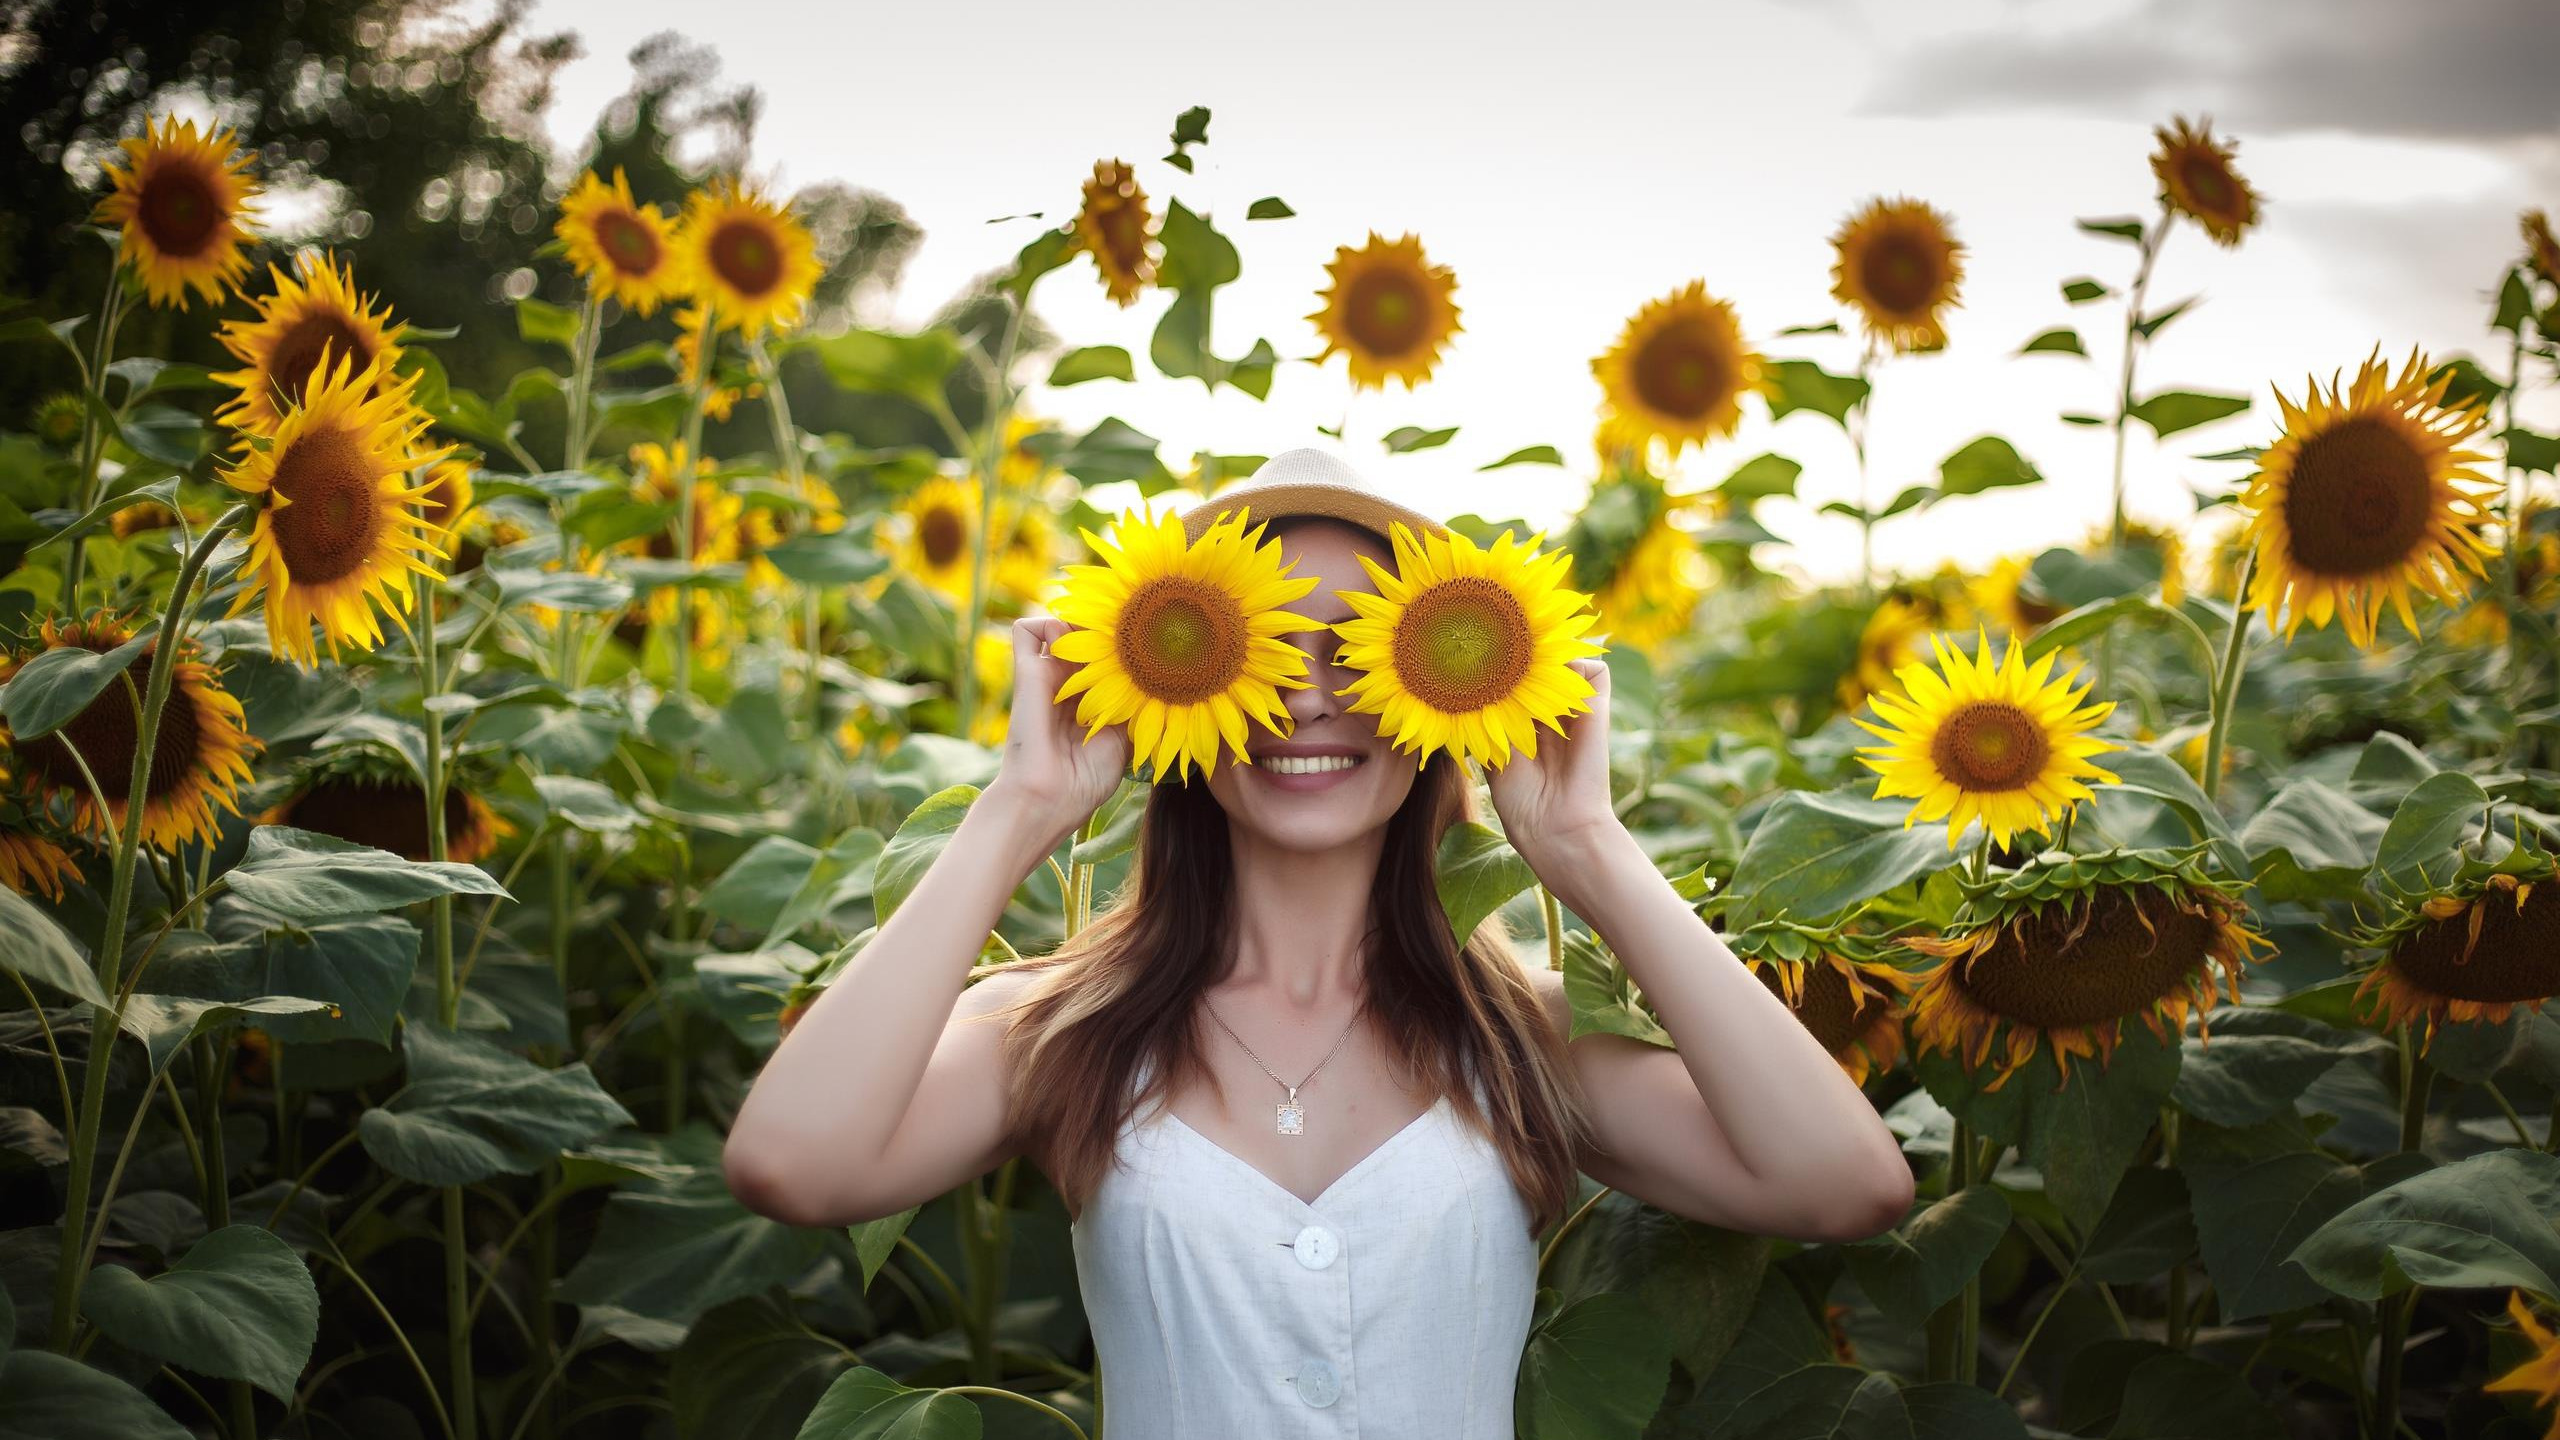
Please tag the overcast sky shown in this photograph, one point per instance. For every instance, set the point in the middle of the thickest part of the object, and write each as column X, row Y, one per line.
column 1571, row 163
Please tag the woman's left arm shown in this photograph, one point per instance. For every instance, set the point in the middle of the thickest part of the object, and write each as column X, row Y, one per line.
column 1750, row 1123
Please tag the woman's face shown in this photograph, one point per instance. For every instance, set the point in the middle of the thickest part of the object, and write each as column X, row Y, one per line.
column 1334, row 780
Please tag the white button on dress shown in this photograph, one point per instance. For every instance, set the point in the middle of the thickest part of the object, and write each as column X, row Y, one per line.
column 1222, row 1304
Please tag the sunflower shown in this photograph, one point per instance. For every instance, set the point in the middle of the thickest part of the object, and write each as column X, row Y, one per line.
column 934, row 535
column 2472, row 952
column 337, row 533
column 320, row 313
column 748, row 258
column 1181, row 640
column 1020, row 465
column 1027, row 554
column 2197, row 181
column 1895, row 635
column 58, row 420
column 2539, row 1376
column 181, row 196
column 1388, row 309
column 625, row 250
column 1644, row 573
column 31, row 863
column 141, row 519
column 1467, row 648
column 2064, row 951
column 2003, row 597
column 2540, row 248
column 1898, row 267
column 376, row 806
column 199, row 759
column 1679, row 372
column 1115, row 229
column 1978, row 739
column 448, row 505
column 2483, row 623
column 2162, row 540
column 1838, row 986
column 692, row 324
column 719, row 536
column 994, row 652
column 2365, row 496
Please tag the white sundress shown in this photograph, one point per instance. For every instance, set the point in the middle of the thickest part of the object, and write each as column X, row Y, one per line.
column 1222, row 1305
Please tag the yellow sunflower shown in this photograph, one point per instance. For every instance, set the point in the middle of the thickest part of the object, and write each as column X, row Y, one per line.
column 319, row 313
column 141, row 519
column 934, row 535
column 1181, row 640
column 2001, row 595
column 2540, row 247
column 2470, row 953
column 719, row 535
column 337, row 533
column 2197, row 181
column 2163, row 540
column 2538, row 1378
column 182, row 198
column 1896, row 634
column 1899, row 267
column 1388, row 309
column 1854, row 1008
column 199, row 759
column 1644, row 573
column 692, row 323
column 1115, row 228
column 33, row 864
column 1979, row 739
column 2483, row 623
column 388, row 811
column 1679, row 371
column 1468, row 649
column 2365, row 496
column 747, row 258
column 1028, row 553
column 626, row 250
column 995, row 684
column 2053, row 958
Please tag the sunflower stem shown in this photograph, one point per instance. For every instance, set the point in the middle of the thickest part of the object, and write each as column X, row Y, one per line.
column 582, row 379
column 2226, row 680
column 786, row 450
column 105, row 1021
column 1968, row 1325
column 93, row 443
column 1858, row 446
column 990, row 470
column 1554, row 915
column 697, row 398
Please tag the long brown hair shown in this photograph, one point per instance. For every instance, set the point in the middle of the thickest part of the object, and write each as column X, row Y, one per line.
column 1124, row 990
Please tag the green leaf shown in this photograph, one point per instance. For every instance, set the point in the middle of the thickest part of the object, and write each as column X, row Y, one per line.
column 303, row 876
column 583, row 804
column 539, row 322
column 1603, row 998
column 1534, row 455
column 561, row 589
column 134, row 487
column 2061, row 341
column 32, row 945
column 1269, row 207
column 1823, row 1402
column 165, row 1022
column 1760, row 477
column 2311, row 843
column 757, row 884
column 827, row 559
column 919, row 841
column 2127, row 228
column 239, row 1306
column 1951, row 1411
column 1696, row 1280
column 2149, row 1226
column 875, row 1240
column 1816, row 853
column 51, row 1397
column 2084, row 290
column 1803, row 385
column 2477, row 1223
column 2531, row 452
column 1414, row 437
column 1479, row 873
column 2422, row 845
column 2081, row 1132
column 2171, row 411
column 2515, row 302
column 2258, row 1193
column 676, row 1242
column 2158, row 320
column 360, row 965
column 1987, row 463
column 864, row 1404
column 2258, row 1061
column 1093, row 362
column 60, row 682
column 2179, row 1397
column 880, row 363
column 471, row 1110
column 1190, row 128
column 1115, row 450
column 750, row 1370
column 1911, row 1271
column 1196, row 256
column 1594, row 1370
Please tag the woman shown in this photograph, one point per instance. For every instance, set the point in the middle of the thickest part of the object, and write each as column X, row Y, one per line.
column 1308, row 1141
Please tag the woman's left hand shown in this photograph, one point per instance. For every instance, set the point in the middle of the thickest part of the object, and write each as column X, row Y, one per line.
column 1560, row 798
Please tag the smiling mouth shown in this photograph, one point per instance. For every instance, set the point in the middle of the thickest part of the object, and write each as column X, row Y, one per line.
column 1310, row 764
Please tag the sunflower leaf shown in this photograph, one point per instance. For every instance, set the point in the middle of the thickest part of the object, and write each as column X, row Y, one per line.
column 62, row 681
column 1802, row 385
column 2423, row 845
column 240, row 1305
column 1269, row 207
column 539, row 322
column 2127, row 228
column 1479, row 873
column 1912, row 1270
column 2171, row 411
column 1533, row 455
column 1985, row 463
column 2477, row 1223
column 1413, row 437
column 2084, row 290
column 298, row 875
column 2062, row 340
column 881, row 363
column 1093, row 362
column 37, row 949
column 864, row 1403
column 921, row 839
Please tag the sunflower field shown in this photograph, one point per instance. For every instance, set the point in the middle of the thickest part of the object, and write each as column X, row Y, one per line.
column 454, row 794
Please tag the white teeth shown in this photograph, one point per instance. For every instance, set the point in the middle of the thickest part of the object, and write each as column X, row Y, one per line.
column 1308, row 764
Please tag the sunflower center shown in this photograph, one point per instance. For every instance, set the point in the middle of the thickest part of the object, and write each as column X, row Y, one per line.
column 2114, row 957
column 387, row 814
column 104, row 734
column 1182, row 640
column 1463, row 644
column 1989, row 745
column 943, row 536
column 1124, row 235
column 627, row 243
column 746, row 257
column 297, row 352
column 1384, row 313
column 1899, row 272
column 2359, row 499
column 2516, row 956
column 2208, row 184
column 1683, row 373
column 180, row 212
column 336, row 516
column 1830, row 1005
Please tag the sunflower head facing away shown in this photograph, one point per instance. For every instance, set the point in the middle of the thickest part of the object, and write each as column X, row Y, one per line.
column 1116, row 229
column 1182, row 640
column 2367, row 495
column 2006, row 595
column 1678, row 372
column 1839, row 986
column 2064, row 951
column 1388, row 309
column 2472, row 951
column 1896, row 633
column 1467, row 648
column 2197, row 181
column 315, row 312
column 2541, row 248
column 626, row 250
column 1899, row 267
column 182, row 198
column 376, row 805
column 1979, row 739
column 933, row 535
column 1644, row 573
column 339, row 530
column 747, row 257
column 200, row 758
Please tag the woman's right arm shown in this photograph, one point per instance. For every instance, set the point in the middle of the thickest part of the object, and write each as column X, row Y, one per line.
column 883, row 1096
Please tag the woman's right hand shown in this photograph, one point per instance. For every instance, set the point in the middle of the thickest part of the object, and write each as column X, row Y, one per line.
column 1050, row 768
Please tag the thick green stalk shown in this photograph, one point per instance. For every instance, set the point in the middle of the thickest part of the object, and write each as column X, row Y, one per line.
column 2226, row 680
column 691, row 456
column 2133, row 337
column 2417, row 1080
column 457, row 1270
column 990, row 468
column 1960, row 1160
column 93, row 444
column 1554, row 915
column 1858, row 445
column 582, row 379
column 786, row 451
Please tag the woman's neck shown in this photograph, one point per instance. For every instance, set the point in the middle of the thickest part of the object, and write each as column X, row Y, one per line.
column 1301, row 917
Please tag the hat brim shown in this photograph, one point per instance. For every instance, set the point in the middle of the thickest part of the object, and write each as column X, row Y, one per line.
column 1288, row 499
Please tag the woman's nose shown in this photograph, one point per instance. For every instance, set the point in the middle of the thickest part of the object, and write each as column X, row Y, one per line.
column 1317, row 701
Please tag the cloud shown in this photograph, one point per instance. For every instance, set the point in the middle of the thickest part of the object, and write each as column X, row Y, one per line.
column 2468, row 69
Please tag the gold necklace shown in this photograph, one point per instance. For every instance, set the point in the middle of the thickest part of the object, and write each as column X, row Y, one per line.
column 1292, row 1115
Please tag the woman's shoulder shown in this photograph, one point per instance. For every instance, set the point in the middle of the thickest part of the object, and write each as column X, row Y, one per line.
column 1550, row 987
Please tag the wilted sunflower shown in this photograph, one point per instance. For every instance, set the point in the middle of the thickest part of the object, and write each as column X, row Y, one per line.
column 2365, row 496
column 2197, row 181
column 1468, row 649
column 625, row 250
column 1678, row 371
column 1839, row 987
column 319, row 313
column 2538, row 1378
column 199, row 759
column 1978, row 739
column 747, row 257
column 337, row 533
column 1115, row 228
column 2540, row 248
column 386, row 809
column 1899, row 267
column 31, row 863
column 1644, row 572
column 1181, row 640
column 2471, row 952
column 933, row 535
column 2065, row 950
column 1388, row 309
column 181, row 197
column 2002, row 596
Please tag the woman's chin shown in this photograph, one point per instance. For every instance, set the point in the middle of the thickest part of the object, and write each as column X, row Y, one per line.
column 1296, row 807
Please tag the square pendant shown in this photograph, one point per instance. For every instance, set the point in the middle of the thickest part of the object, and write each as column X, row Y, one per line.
column 1293, row 1119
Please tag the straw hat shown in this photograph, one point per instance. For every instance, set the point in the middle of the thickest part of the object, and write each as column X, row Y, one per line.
column 1309, row 481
